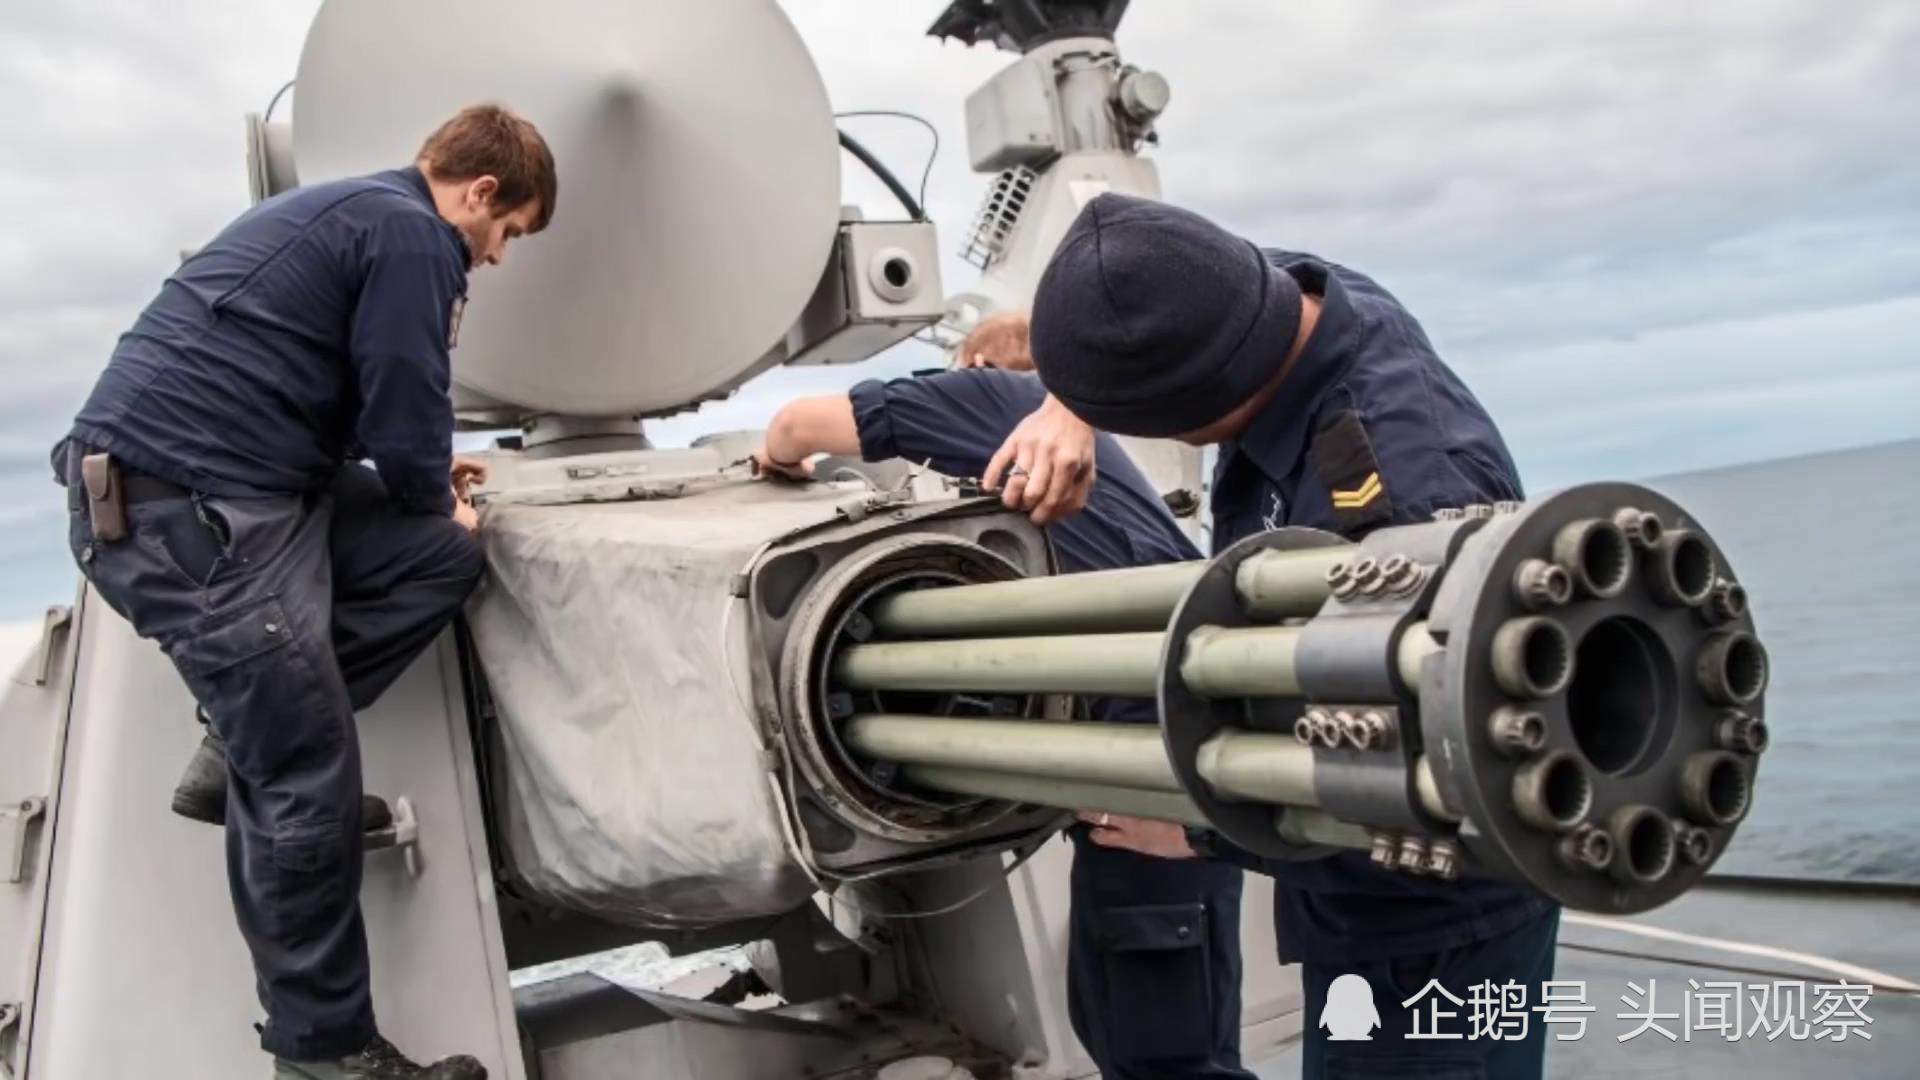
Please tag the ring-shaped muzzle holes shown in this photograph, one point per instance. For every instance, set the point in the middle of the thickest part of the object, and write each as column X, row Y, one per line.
column 1680, row 569
column 894, row 275
column 1532, row 657
column 1714, row 787
column 1596, row 555
column 1644, row 844
column 1732, row 668
column 1552, row 792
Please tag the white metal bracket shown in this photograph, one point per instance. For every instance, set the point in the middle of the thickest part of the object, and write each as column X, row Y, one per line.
column 18, row 818
column 404, row 834
column 9, row 1036
column 57, row 619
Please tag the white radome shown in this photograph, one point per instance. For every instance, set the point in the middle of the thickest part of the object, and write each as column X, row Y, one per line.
column 699, row 181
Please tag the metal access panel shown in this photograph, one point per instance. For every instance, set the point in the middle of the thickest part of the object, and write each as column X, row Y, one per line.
column 143, row 972
column 1011, row 120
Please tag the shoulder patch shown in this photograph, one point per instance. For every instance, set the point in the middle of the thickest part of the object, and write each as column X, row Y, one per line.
column 1343, row 456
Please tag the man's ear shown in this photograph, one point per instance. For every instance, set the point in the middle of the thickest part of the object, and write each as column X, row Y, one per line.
column 482, row 191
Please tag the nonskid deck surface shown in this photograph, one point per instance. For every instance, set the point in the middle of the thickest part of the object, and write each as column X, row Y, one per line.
column 1853, row 927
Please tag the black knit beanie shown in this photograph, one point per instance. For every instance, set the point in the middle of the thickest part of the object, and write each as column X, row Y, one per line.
column 1151, row 320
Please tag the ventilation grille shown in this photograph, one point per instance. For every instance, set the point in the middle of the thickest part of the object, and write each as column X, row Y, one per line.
column 999, row 213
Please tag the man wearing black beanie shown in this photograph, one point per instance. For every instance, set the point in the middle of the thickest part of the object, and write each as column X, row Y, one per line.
column 1331, row 410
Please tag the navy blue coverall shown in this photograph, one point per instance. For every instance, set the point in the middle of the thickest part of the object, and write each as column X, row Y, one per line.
column 289, row 585
column 1148, row 997
column 1371, row 412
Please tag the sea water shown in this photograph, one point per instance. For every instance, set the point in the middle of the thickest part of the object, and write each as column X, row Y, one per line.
column 1829, row 549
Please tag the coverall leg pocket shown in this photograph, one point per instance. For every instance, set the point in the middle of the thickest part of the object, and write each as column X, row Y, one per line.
column 311, row 872
column 183, row 536
column 1158, row 978
column 1409, row 975
column 293, row 855
column 1388, row 1053
column 249, row 667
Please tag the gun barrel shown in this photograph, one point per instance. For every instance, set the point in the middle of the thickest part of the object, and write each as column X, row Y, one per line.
column 1278, row 584
column 1483, row 693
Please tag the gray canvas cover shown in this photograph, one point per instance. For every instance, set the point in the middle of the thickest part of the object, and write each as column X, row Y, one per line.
column 637, row 788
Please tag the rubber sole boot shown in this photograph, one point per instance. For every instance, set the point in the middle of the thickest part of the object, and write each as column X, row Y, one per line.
column 380, row 1061
column 201, row 794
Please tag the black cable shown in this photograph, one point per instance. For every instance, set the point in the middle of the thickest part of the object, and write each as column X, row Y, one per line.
column 932, row 155
column 268, row 115
column 886, row 176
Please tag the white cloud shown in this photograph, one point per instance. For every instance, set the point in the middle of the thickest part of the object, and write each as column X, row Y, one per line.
column 1714, row 394
column 1651, row 235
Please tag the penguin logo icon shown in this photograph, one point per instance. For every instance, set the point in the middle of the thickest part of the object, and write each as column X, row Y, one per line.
column 1349, row 1014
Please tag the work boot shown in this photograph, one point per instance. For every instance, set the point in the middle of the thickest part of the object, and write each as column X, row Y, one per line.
column 379, row 1061
column 202, row 792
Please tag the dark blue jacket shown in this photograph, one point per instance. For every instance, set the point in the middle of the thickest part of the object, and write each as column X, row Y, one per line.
column 955, row 421
column 314, row 330
column 1368, row 412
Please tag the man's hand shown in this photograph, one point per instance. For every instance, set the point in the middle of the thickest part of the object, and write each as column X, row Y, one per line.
column 764, row 465
column 466, row 471
column 467, row 516
column 1047, row 463
column 1161, row 839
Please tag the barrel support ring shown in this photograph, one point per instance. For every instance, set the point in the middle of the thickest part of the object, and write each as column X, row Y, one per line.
column 1188, row 720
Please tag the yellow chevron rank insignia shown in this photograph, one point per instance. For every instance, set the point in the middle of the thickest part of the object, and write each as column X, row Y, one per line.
column 1368, row 491
column 1343, row 457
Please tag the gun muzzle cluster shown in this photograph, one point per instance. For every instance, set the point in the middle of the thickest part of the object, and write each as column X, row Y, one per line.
column 1566, row 694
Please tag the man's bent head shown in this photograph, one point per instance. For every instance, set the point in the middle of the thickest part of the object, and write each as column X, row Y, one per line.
column 492, row 178
column 999, row 341
column 1152, row 321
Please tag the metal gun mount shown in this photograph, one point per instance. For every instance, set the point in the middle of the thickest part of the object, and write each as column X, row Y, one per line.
column 1019, row 25
column 1565, row 694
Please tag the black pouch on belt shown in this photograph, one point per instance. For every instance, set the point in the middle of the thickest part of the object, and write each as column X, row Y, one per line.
column 106, row 500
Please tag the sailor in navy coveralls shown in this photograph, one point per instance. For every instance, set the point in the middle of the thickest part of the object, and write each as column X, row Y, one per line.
column 218, row 504
column 1330, row 409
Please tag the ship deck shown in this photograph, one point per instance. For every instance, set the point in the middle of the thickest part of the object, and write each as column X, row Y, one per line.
column 1754, row 933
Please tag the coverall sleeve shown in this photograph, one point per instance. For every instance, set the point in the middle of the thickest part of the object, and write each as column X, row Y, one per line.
column 954, row 420
column 401, row 333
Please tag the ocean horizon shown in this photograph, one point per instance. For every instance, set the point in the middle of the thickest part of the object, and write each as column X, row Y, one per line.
column 1823, row 543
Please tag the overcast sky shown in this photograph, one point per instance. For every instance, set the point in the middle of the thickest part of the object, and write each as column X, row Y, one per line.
column 1654, row 237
